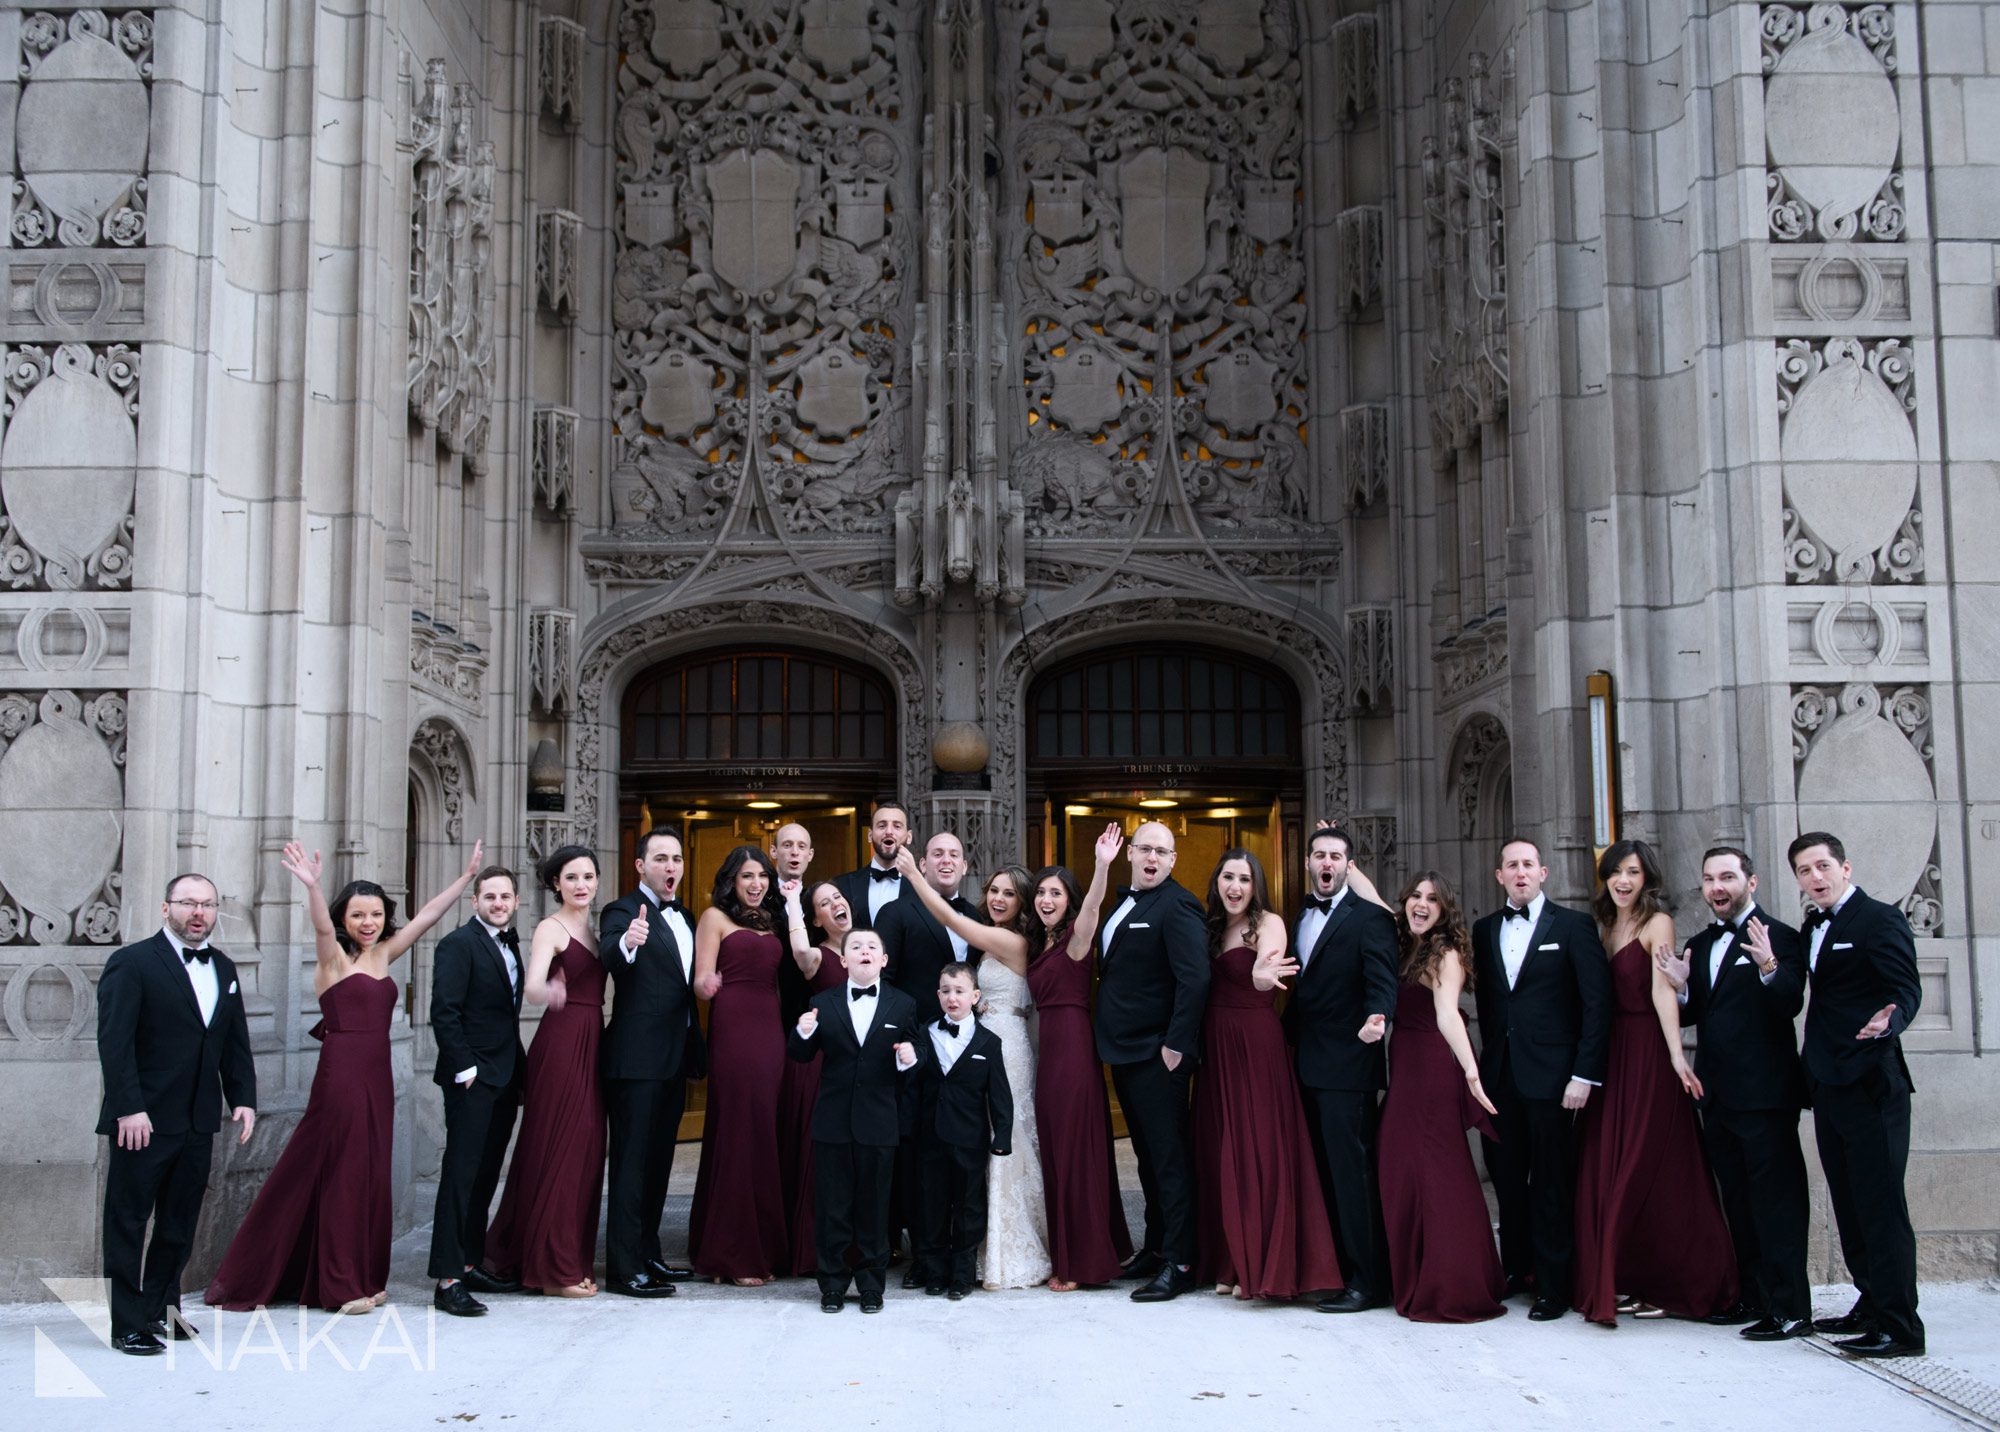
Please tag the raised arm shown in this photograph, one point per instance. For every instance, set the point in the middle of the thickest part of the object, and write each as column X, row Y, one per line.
column 805, row 954
column 708, row 933
column 1084, row 928
column 1006, row 946
column 398, row 944
column 305, row 869
column 1360, row 884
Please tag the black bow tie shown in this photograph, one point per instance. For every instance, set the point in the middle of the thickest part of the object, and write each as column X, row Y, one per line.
column 1813, row 921
column 860, row 992
column 510, row 938
column 947, row 1028
column 1324, row 906
column 1514, row 912
column 1125, row 892
column 876, row 872
column 1732, row 927
column 194, row 952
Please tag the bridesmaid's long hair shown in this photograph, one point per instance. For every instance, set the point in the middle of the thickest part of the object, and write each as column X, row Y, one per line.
column 337, row 912
column 1652, row 885
column 1060, row 933
column 1422, row 957
column 724, row 897
column 1253, row 913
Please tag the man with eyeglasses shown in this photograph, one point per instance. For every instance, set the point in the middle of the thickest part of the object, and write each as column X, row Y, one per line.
column 174, row 1046
column 1152, row 988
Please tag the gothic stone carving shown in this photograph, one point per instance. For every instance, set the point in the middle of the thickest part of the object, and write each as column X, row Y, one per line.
column 1863, row 758
column 762, row 297
column 1154, row 267
column 451, row 269
column 68, row 467
column 62, row 802
column 1470, row 659
column 82, row 129
column 444, row 747
column 552, row 455
column 559, row 52
column 1364, row 454
column 1374, row 846
column 558, row 263
column 75, row 297
column 1371, row 659
column 445, row 663
column 1832, row 125
column 1360, row 246
column 1850, row 461
column 552, row 659
column 1357, row 68
column 1465, row 270
column 1481, row 741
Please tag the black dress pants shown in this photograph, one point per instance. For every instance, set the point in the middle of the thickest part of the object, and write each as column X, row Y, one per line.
column 1343, row 1124
column 1863, row 1132
column 1155, row 1103
column 164, row 1182
column 1533, row 1168
column 645, row 1119
column 851, row 1188
column 478, row 1122
column 1761, row 1174
column 953, row 1184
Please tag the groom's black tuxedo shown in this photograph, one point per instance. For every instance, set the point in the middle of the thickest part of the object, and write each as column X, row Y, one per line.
column 854, row 887
column 476, row 1019
column 918, row 946
column 159, row 1058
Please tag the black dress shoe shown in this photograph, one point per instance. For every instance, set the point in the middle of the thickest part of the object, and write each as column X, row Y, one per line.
column 1347, row 1300
column 139, row 1344
column 911, row 1278
column 1547, row 1310
column 958, row 1292
column 1143, row 1266
column 174, row 1325
column 1519, row 1287
column 668, row 1272
column 830, row 1305
column 934, row 1290
column 640, row 1285
column 455, row 1298
column 1735, row 1316
column 1776, row 1330
column 1879, row 1344
column 871, row 1302
column 1169, row 1283
column 481, row 1281
column 1854, row 1320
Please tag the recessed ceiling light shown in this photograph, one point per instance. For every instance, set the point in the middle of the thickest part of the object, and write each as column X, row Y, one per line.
column 763, row 805
column 1157, row 803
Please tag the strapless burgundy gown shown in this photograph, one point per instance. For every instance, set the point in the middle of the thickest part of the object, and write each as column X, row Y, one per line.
column 1088, row 1239
column 545, row 1233
column 738, row 1226
column 318, row 1231
column 1442, row 1262
column 1648, row 1222
column 1260, row 1218
column 798, row 1089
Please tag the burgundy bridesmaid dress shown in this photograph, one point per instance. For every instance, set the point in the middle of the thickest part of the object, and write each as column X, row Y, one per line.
column 318, row 1232
column 1648, row 1222
column 1260, row 1217
column 1088, row 1239
column 1442, row 1263
column 545, row 1233
column 797, row 1091
column 738, row 1226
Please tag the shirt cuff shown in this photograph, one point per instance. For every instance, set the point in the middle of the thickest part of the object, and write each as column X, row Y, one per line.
column 805, row 1033
column 466, row 1076
column 902, row 1067
column 1593, row 1083
column 1681, row 995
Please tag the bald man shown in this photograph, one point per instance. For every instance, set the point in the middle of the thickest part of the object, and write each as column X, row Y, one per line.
column 792, row 851
column 1152, row 986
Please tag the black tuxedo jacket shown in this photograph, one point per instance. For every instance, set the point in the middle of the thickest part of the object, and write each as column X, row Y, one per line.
column 1350, row 975
column 475, row 1009
column 862, row 1094
column 158, row 1058
column 855, row 885
column 654, row 1032
column 1867, row 959
column 1555, row 1024
column 971, row 1106
column 1748, row 1054
column 918, row 946
column 1152, row 983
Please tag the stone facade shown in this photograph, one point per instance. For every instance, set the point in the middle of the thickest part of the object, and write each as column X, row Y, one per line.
column 387, row 386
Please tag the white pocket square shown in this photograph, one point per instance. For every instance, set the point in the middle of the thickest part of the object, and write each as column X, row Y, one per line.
column 1138, row 925
column 979, row 1057
column 1548, row 947
column 232, row 986
column 888, row 1026
column 1842, row 945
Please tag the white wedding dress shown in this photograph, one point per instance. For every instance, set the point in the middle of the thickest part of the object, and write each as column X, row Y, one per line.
column 1016, row 1251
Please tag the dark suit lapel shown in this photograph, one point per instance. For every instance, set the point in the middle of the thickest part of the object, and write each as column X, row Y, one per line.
column 485, row 937
column 1535, row 939
column 1730, row 956
column 1142, row 901
column 1334, row 918
column 177, row 975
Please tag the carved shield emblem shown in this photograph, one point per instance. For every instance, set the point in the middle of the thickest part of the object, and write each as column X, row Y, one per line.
column 1229, row 31
column 1058, row 209
column 1163, row 204
column 1239, row 391
column 680, row 394
column 649, row 213
column 858, row 215
column 687, row 34
column 754, row 194
column 1086, row 390
column 1267, row 209
column 1079, row 32
column 837, row 32
column 833, row 396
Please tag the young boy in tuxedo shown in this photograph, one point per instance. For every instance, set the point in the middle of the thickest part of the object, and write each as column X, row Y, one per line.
column 965, row 1112
column 862, row 1031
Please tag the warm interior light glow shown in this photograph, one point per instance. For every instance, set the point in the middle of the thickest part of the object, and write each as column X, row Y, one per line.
column 763, row 805
column 1158, row 803
column 843, row 810
column 1076, row 810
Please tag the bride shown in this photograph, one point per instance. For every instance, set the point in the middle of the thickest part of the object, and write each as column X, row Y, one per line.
column 1016, row 1251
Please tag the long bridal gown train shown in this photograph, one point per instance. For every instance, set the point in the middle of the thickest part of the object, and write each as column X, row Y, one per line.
column 1016, row 1251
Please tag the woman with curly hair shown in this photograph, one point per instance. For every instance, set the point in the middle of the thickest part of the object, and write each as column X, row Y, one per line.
column 1442, row 1262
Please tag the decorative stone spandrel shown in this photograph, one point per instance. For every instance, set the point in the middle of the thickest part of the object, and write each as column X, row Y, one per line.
column 81, row 131
column 1831, row 122
column 61, row 798
column 1163, row 206
column 754, row 195
column 67, row 466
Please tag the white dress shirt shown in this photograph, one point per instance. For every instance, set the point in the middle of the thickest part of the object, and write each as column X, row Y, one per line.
column 861, row 1012
column 1819, row 930
column 949, row 1047
column 1118, row 918
column 1312, row 924
column 1517, row 936
column 677, row 926
column 512, row 960
column 881, row 892
column 200, row 973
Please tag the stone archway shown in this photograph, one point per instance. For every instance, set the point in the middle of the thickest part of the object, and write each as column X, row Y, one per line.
column 1479, row 780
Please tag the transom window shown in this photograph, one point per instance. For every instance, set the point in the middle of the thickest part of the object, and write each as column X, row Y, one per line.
column 758, row 706
column 1191, row 704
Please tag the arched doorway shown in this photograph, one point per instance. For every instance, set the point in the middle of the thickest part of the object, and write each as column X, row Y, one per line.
column 1203, row 739
column 728, row 744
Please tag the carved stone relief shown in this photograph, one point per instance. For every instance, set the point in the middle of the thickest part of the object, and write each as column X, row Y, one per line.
column 558, row 263
column 559, row 52
column 54, row 638
column 1371, row 659
column 762, row 299
column 1359, row 248
column 445, row 663
column 1364, row 454
column 1152, row 200
column 443, row 746
column 76, row 297
column 1850, row 462
column 1471, row 659
column 82, row 129
column 1465, row 273
column 1357, row 68
column 1863, row 762
column 451, row 269
column 1374, row 846
column 62, row 802
column 1832, row 124
column 1841, row 632
column 68, row 467
column 552, row 659
column 1829, row 287
column 552, row 457
column 1481, row 742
